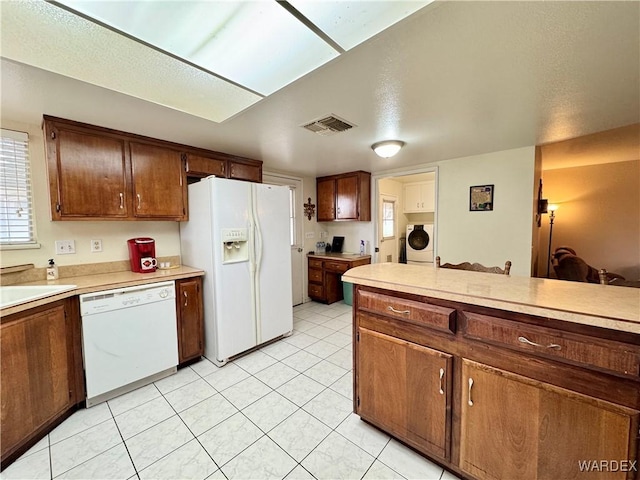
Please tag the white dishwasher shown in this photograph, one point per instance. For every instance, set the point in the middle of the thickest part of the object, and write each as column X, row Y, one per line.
column 129, row 338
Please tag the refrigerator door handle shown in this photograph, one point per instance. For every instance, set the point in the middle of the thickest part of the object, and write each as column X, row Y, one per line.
column 257, row 260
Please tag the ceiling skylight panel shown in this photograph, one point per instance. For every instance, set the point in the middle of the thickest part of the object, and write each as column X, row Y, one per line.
column 83, row 50
column 350, row 23
column 257, row 44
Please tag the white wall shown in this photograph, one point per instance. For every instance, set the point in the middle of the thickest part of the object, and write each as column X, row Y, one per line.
column 489, row 238
column 114, row 235
column 352, row 232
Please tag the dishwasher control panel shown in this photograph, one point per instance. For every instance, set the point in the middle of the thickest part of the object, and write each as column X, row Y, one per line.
column 107, row 300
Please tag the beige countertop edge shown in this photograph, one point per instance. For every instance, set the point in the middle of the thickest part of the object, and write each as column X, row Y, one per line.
column 339, row 256
column 103, row 281
column 611, row 323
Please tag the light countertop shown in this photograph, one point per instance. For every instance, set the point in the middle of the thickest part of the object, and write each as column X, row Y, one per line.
column 103, row 281
column 607, row 306
column 339, row 256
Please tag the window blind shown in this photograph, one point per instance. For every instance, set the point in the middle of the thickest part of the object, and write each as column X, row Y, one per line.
column 16, row 206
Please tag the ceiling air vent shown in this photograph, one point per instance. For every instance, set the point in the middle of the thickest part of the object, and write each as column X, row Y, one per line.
column 328, row 125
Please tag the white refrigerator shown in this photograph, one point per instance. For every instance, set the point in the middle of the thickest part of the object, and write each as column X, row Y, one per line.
column 239, row 234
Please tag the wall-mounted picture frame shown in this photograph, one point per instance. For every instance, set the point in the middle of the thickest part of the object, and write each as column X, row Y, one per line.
column 481, row 198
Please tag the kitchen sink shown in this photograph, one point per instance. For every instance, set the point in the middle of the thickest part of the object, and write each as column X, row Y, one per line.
column 16, row 294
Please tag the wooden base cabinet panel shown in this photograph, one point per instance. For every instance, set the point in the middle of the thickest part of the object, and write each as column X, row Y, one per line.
column 514, row 427
column 405, row 389
column 38, row 374
column 190, row 319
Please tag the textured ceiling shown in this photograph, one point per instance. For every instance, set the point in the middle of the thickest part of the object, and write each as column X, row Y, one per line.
column 453, row 80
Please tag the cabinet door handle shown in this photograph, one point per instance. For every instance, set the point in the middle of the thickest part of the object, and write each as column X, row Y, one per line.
column 223, row 169
column 403, row 312
column 525, row 340
column 186, row 298
column 470, row 402
column 138, row 197
column 121, row 200
column 441, row 378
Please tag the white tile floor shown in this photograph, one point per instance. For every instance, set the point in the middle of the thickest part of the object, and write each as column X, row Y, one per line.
column 284, row 411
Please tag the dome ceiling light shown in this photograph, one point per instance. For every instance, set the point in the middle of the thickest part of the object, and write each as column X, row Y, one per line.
column 388, row 148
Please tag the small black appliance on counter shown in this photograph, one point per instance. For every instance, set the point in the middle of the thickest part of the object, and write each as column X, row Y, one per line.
column 336, row 244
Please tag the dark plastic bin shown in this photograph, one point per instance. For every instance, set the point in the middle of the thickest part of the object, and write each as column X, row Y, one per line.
column 347, row 292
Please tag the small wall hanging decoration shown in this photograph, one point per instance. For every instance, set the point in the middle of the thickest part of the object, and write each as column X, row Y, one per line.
column 481, row 198
column 309, row 209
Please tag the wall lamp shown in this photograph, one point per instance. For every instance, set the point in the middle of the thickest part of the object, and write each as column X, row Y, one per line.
column 388, row 148
column 551, row 208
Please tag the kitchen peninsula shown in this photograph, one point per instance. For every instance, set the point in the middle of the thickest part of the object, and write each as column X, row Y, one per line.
column 497, row 376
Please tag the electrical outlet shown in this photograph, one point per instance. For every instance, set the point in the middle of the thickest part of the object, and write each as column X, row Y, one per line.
column 65, row 247
column 96, row 246
column 309, row 234
column 323, row 234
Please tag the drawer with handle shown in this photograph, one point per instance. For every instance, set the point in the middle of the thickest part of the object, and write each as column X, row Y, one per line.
column 316, row 291
column 315, row 275
column 315, row 263
column 339, row 267
column 424, row 314
column 590, row 352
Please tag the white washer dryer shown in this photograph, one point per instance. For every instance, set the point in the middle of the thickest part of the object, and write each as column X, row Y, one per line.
column 420, row 243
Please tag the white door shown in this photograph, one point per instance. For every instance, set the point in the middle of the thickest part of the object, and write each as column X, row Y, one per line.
column 296, row 236
column 387, row 230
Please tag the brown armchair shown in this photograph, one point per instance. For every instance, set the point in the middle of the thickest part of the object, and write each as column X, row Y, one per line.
column 568, row 266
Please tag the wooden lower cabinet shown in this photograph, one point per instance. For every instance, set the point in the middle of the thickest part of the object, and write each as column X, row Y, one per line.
column 324, row 272
column 40, row 368
column 449, row 380
column 404, row 388
column 190, row 316
column 514, row 427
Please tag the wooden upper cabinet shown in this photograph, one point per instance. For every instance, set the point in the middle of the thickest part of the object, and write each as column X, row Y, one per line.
column 344, row 197
column 240, row 170
column 158, row 182
column 100, row 173
column 87, row 174
column 515, row 427
column 201, row 163
column 326, row 191
column 347, row 198
column 200, row 166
